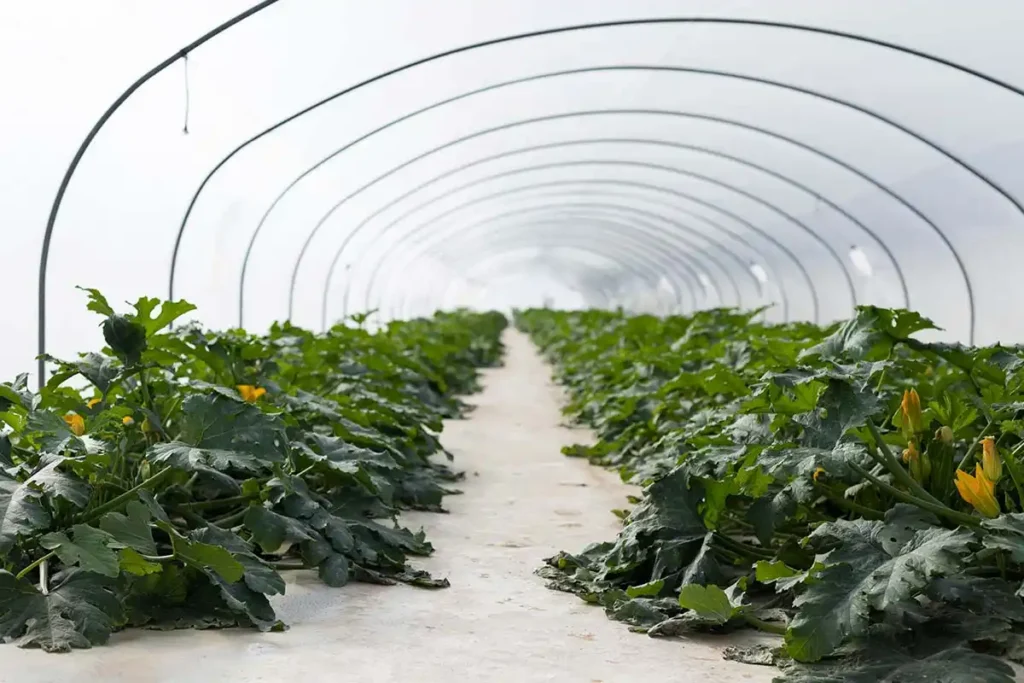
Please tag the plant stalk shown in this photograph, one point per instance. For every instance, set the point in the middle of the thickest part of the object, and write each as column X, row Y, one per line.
column 124, row 497
column 938, row 509
column 766, row 626
column 28, row 570
column 889, row 461
column 849, row 505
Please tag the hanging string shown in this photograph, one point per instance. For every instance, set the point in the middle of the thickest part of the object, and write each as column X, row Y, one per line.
column 185, row 128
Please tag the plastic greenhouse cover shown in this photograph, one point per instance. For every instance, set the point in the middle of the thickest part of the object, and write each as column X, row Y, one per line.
column 683, row 154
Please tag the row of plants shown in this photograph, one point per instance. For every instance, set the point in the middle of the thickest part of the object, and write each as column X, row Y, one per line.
column 851, row 488
column 166, row 481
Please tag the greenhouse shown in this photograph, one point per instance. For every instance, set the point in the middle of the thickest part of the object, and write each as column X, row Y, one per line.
column 669, row 340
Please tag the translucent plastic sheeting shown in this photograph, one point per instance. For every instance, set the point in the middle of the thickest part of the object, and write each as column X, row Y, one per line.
column 770, row 161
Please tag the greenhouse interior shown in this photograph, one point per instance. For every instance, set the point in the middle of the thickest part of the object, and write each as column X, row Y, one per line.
column 589, row 340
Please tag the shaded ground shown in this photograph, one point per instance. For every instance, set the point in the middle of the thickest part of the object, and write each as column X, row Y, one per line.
column 523, row 501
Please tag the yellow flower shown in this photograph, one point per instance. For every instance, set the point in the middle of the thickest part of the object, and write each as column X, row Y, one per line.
column 818, row 471
column 913, row 421
column 250, row 393
column 979, row 491
column 127, row 420
column 75, row 423
column 991, row 462
column 93, row 402
column 920, row 467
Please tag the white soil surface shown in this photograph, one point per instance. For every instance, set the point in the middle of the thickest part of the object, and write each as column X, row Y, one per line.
column 522, row 501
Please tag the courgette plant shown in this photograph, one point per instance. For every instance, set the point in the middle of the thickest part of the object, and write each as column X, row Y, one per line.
column 167, row 480
column 851, row 488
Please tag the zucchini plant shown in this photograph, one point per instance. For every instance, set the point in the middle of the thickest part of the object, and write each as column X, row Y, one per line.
column 166, row 481
column 851, row 488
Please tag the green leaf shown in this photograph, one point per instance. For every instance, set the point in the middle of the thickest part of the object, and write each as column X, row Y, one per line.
column 339, row 453
column 273, row 532
column 169, row 312
column 22, row 512
column 79, row 611
column 99, row 369
column 258, row 575
column 88, row 547
column 134, row 563
column 709, row 602
column 867, row 571
column 131, row 530
column 206, row 557
column 1007, row 534
column 189, row 458
column 55, row 482
column 775, row 572
column 881, row 663
column 216, row 423
column 840, row 408
column 56, row 435
column 651, row 588
column 97, row 302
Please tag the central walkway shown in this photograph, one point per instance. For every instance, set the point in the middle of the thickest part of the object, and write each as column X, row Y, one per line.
column 522, row 501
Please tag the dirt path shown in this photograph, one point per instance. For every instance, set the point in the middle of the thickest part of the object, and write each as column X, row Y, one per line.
column 523, row 501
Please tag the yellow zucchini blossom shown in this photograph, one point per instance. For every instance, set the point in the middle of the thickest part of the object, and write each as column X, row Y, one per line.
column 818, row 471
column 991, row 462
column 76, row 423
column 127, row 420
column 979, row 491
column 93, row 402
column 920, row 466
column 913, row 420
column 250, row 393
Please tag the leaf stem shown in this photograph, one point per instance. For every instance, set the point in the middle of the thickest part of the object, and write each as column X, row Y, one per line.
column 889, row 461
column 849, row 505
column 287, row 565
column 743, row 548
column 27, row 570
column 124, row 497
column 217, row 502
column 228, row 519
column 965, row 462
column 938, row 509
column 766, row 626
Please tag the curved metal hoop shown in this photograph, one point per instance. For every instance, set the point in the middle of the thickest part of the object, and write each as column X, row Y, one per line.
column 641, row 219
column 560, row 205
column 601, row 285
column 578, row 283
column 589, row 240
column 676, row 224
column 886, row 190
column 656, row 236
column 718, row 227
column 661, row 143
column 645, row 256
column 667, row 169
column 608, row 281
column 646, row 262
column 497, row 86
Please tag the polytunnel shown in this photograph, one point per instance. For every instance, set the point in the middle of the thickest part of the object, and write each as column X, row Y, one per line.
column 312, row 160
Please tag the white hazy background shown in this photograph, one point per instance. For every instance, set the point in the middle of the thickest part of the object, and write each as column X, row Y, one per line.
column 62, row 62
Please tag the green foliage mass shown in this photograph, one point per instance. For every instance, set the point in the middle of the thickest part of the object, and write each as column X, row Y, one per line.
column 195, row 465
column 791, row 483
